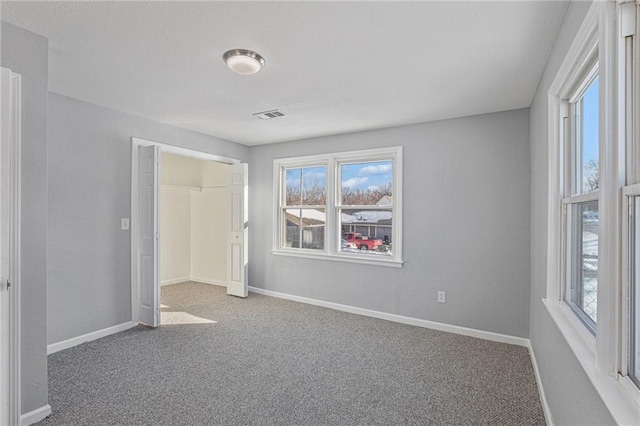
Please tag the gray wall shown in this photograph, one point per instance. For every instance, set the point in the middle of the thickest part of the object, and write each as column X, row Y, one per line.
column 571, row 396
column 466, row 225
column 27, row 54
column 89, row 257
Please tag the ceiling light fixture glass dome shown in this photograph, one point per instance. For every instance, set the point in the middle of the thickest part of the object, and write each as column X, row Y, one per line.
column 243, row 61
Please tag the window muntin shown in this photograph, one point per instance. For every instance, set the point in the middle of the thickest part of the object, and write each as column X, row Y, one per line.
column 581, row 213
column 324, row 199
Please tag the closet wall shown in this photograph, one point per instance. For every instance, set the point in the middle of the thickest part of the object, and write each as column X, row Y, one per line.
column 193, row 220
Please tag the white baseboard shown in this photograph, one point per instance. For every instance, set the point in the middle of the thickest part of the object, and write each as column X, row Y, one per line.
column 74, row 341
column 472, row 332
column 34, row 416
column 208, row 281
column 175, row 281
column 196, row 279
column 543, row 397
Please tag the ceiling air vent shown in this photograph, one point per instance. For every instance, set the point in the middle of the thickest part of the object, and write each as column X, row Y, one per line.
column 268, row 115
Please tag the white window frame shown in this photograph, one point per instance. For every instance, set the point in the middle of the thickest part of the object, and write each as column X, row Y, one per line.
column 599, row 355
column 333, row 187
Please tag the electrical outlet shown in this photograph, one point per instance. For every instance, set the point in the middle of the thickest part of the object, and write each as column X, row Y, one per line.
column 124, row 224
column 442, row 297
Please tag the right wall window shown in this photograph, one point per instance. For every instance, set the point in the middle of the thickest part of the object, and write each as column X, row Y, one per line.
column 593, row 244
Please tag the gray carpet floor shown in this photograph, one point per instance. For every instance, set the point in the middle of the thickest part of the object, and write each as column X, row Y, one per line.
column 221, row 360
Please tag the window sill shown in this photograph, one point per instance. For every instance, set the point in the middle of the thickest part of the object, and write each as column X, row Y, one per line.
column 618, row 399
column 369, row 260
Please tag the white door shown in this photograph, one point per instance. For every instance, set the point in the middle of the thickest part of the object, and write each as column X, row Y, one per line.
column 148, row 235
column 237, row 259
column 9, row 247
column 4, row 252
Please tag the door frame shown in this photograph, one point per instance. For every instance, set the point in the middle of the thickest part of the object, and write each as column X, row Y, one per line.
column 10, row 157
column 164, row 148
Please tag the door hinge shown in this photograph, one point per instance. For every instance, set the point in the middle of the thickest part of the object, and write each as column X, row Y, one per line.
column 8, row 284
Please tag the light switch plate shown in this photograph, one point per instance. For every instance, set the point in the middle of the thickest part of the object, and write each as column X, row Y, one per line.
column 124, row 223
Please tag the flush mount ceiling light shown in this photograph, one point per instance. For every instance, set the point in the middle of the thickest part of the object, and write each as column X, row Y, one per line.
column 243, row 61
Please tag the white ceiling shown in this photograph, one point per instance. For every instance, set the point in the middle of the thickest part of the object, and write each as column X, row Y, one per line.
column 331, row 67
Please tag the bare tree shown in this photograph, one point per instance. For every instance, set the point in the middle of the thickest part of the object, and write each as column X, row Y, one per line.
column 312, row 194
column 370, row 197
column 315, row 194
column 383, row 190
column 592, row 180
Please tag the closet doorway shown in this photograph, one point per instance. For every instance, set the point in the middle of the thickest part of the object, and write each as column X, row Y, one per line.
column 189, row 222
column 194, row 219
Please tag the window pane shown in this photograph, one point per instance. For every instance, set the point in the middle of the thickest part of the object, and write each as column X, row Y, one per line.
column 367, row 231
column 367, row 184
column 582, row 261
column 306, row 186
column 304, row 228
column 586, row 116
column 634, row 323
column 294, row 187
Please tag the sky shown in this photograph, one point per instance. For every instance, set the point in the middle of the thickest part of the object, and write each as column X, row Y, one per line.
column 366, row 175
column 356, row 176
column 310, row 175
column 590, row 125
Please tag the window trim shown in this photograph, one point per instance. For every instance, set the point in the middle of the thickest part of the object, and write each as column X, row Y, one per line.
column 332, row 231
column 599, row 356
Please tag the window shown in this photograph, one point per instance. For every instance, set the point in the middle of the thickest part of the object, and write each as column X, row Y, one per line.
column 344, row 206
column 580, row 200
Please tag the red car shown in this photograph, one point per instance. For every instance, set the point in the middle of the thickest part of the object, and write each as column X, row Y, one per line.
column 361, row 242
